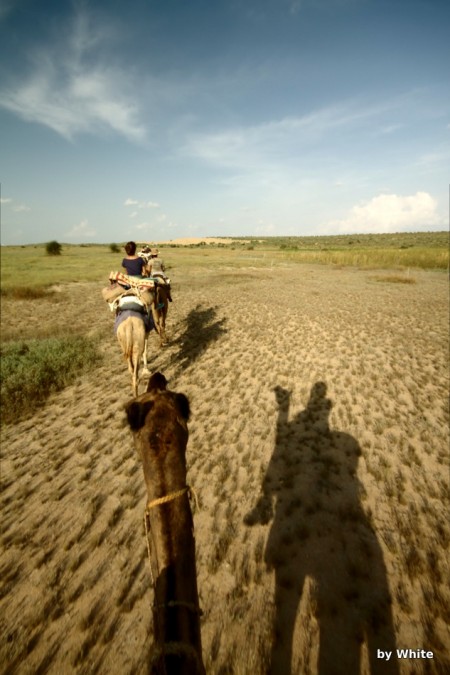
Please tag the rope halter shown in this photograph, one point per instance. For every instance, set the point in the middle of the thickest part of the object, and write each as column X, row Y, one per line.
column 171, row 496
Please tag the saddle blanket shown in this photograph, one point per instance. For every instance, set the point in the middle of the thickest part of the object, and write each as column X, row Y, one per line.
column 132, row 302
column 132, row 282
column 148, row 320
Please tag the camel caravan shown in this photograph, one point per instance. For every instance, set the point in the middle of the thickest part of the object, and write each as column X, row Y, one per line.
column 158, row 421
column 139, row 300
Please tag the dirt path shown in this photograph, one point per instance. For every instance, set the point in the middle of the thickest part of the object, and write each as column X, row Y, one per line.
column 318, row 448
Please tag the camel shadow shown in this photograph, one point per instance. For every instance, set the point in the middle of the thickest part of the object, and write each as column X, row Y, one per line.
column 320, row 532
column 201, row 329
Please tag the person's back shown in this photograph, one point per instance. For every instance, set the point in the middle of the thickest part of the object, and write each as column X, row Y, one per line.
column 156, row 265
column 157, row 269
column 133, row 264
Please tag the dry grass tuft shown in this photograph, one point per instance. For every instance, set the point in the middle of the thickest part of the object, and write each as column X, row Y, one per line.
column 29, row 293
column 395, row 279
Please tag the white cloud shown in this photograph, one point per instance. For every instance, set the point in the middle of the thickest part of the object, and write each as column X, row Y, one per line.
column 389, row 213
column 72, row 94
column 14, row 207
column 269, row 143
column 141, row 205
column 82, row 230
column 133, row 214
column 433, row 159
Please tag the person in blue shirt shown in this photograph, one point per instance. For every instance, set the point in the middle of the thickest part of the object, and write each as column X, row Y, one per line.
column 133, row 264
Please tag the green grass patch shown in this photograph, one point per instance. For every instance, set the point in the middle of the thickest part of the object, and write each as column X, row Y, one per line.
column 75, row 264
column 32, row 370
column 89, row 263
column 345, row 242
column 375, row 258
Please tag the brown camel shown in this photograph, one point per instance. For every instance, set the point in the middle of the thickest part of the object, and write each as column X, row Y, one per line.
column 158, row 420
column 133, row 341
column 159, row 311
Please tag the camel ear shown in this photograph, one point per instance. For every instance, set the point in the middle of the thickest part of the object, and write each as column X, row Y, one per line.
column 136, row 414
column 183, row 406
column 157, row 382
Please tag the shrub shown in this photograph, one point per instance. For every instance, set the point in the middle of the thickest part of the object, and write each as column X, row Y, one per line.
column 53, row 248
column 31, row 370
column 114, row 248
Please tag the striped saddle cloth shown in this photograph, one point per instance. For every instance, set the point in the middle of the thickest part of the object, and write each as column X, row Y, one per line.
column 132, row 282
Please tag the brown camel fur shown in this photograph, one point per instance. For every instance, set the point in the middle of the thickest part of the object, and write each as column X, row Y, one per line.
column 158, row 420
column 133, row 341
column 159, row 311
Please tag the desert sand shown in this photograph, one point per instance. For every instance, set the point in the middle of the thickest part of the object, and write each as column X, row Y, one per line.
column 319, row 452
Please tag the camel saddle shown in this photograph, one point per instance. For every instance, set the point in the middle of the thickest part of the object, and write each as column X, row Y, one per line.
column 144, row 283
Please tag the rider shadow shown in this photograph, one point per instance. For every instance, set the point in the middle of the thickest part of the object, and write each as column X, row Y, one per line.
column 320, row 531
column 201, row 330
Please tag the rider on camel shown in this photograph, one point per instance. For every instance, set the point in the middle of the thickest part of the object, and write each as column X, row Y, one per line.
column 133, row 264
column 156, row 268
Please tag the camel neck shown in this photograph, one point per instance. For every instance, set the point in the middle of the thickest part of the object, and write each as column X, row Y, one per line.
column 172, row 553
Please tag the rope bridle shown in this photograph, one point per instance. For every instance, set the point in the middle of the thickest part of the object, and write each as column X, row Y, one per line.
column 171, row 496
column 167, row 498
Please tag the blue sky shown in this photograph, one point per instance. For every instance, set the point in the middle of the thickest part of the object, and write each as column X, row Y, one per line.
column 158, row 119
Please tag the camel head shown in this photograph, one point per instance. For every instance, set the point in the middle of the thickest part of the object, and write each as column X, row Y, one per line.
column 157, row 393
column 158, row 420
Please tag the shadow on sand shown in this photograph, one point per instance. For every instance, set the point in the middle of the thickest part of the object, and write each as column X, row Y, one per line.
column 319, row 530
column 202, row 329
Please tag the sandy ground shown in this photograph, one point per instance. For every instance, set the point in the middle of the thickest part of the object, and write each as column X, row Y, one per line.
column 319, row 451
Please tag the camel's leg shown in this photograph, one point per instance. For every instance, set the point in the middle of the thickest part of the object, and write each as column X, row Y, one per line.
column 159, row 317
column 157, row 320
column 131, row 368
column 144, row 356
column 130, row 364
column 163, row 326
column 137, row 353
column 155, row 315
column 162, row 333
column 136, row 359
